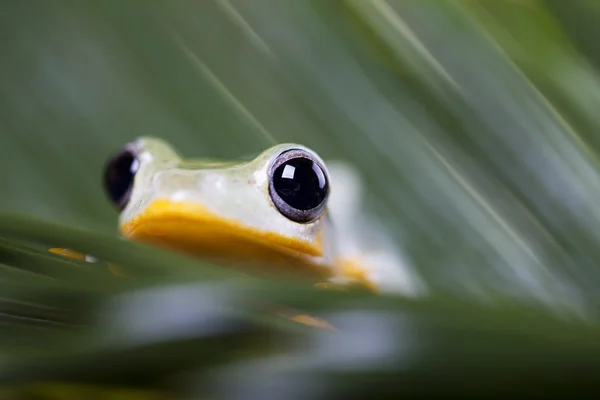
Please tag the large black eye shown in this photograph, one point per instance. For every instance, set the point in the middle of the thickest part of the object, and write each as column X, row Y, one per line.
column 119, row 174
column 298, row 186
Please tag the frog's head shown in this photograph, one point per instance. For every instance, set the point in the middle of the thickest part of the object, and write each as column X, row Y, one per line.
column 269, row 210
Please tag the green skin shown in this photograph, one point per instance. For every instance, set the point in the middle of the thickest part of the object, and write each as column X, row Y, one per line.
column 238, row 191
column 234, row 191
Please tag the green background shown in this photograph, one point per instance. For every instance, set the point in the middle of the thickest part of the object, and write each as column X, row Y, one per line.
column 474, row 125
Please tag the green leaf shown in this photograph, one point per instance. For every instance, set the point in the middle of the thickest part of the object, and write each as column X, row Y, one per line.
column 472, row 123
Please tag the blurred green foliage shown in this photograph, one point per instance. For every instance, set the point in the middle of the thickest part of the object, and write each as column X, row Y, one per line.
column 473, row 123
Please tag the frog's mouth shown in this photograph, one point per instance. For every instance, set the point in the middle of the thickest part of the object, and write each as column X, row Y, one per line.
column 192, row 229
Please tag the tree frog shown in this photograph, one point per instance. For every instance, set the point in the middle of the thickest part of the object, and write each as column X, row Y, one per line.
column 284, row 211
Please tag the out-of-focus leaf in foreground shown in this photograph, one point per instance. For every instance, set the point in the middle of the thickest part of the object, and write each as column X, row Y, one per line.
column 211, row 335
column 472, row 123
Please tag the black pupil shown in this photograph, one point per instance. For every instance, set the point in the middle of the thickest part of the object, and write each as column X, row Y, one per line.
column 118, row 177
column 301, row 183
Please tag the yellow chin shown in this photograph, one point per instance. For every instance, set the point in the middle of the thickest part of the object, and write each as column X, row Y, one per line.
column 192, row 229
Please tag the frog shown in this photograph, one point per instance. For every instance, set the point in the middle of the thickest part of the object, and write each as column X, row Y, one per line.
column 284, row 212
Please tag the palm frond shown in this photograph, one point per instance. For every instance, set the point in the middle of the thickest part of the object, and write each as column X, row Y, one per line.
column 473, row 125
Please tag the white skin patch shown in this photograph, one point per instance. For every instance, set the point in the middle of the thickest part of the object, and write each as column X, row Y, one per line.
column 260, row 177
column 179, row 196
column 146, row 157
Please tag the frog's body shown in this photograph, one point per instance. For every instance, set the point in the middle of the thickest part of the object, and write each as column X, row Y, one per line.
column 282, row 210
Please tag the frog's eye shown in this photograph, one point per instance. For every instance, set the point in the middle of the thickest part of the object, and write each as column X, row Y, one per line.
column 298, row 185
column 119, row 174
